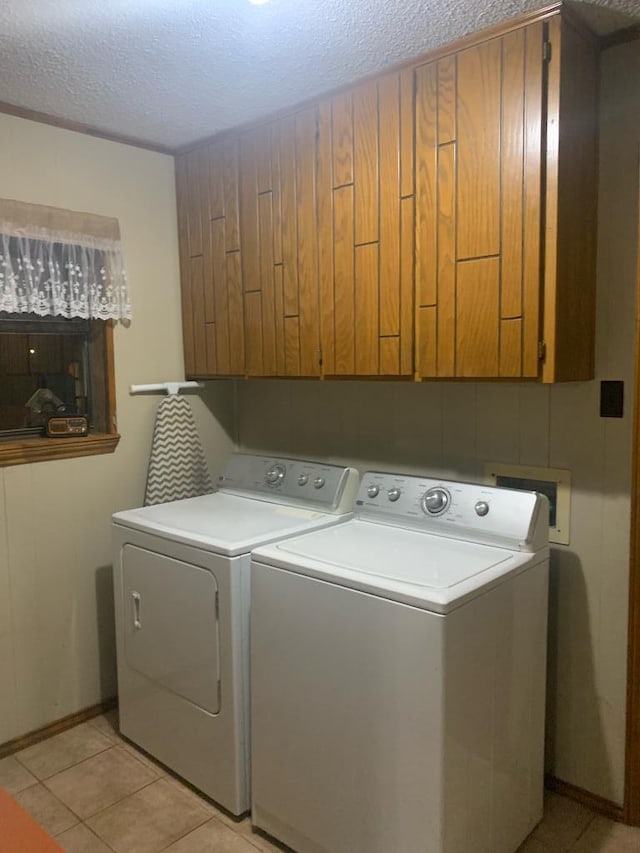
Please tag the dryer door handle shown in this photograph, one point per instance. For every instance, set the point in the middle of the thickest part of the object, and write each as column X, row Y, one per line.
column 135, row 597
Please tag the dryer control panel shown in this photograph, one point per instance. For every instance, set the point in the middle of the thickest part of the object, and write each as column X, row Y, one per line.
column 300, row 482
column 507, row 518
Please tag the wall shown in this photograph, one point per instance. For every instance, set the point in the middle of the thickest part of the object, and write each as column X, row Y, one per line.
column 57, row 650
column 452, row 429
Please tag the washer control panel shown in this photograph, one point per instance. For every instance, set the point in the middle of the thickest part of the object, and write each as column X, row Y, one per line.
column 331, row 488
column 477, row 513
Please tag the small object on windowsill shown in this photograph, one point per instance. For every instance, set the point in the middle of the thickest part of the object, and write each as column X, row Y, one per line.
column 67, row 426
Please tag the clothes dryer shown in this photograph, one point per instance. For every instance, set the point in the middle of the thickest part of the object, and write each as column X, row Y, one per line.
column 181, row 583
column 398, row 673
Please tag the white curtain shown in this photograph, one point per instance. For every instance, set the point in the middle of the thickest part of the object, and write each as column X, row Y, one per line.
column 56, row 262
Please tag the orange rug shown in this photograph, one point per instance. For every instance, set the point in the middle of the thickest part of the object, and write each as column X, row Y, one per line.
column 19, row 833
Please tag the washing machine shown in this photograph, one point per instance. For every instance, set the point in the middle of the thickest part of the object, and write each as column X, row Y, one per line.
column 181, row 589
column 398, row 673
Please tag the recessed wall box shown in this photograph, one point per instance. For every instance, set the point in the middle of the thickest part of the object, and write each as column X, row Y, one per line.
column 555, row 483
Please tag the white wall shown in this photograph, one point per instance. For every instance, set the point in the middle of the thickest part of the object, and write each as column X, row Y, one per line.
column 57, row 650
column 452, row 429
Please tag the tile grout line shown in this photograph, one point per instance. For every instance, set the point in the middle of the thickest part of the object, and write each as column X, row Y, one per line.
column 62, row 769
column 583, row 833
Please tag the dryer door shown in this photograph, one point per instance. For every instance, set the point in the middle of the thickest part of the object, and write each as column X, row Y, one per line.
column 171, row 625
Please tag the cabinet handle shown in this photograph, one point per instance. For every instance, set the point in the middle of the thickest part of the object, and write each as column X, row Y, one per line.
column 137, row 624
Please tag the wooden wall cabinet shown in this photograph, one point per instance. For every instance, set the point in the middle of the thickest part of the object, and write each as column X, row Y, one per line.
column 505, row 207
column 437, row 221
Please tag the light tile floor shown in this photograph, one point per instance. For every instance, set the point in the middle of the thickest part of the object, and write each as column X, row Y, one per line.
column 96, row 793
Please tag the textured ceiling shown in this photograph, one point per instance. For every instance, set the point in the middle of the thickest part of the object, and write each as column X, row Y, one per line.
column 173, row 71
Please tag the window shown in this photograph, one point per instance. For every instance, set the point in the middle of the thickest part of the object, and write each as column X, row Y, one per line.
column 55, row 367
column 62, row 285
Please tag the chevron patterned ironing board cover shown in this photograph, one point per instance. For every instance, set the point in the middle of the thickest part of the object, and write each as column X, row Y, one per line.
column 177, row 467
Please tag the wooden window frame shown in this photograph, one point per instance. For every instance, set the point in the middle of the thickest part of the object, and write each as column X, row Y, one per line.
column 38, row 449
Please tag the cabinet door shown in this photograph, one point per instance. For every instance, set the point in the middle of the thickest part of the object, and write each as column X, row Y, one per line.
column 478, row 200
column 365, row 221
column 278, row 235
column 208, row 222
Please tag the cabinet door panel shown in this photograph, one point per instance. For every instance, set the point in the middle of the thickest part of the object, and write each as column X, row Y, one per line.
column 343, row 329
column 512, row 174
column 208, row 222
column 220, row 294
column 365, row 149
column 511, row 347
column 196, row 275
column 389, row 167
column 426, row 169
column 366, row 288
column 389, row 356
column 447, row 267
column 267, row 283
column 532, row 274
column 341, row 125
column 249, row 211
column 407, row 320
column 479, row 208
column 477, row 313
column 324, row 209
column 308, row 307
column 228, row 153
column 253, row 332
column 367, row 309
column 236, row 314
column 478, row 106
column 278, row 165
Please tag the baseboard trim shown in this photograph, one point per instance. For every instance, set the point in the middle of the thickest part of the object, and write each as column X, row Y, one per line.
column 606, row 808
column 22, row 742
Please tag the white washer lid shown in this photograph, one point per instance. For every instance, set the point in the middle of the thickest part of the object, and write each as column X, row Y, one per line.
column 224, row 523
column 431, row 572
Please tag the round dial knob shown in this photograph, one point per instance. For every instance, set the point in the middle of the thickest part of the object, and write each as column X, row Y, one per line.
column 435, row 501
column 303, row 479
column 373, row 491
column 318, row 483
column 482, row 508
column 275, row 474
column 393, row 494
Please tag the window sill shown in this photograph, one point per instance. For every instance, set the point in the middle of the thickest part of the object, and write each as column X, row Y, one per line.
column 22, row 451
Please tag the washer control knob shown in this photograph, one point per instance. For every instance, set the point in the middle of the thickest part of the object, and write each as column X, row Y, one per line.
column 303, row 479
column 393, row 494
column 275, row 474
column 318, row 483
column 373, row 491
column 435, row 501
column 482, row 508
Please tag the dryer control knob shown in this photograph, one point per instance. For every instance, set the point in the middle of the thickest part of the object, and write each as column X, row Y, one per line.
column 303, row 479
column 482, row 508
column 318, row 483
column 393, row 494
column 275, row 474
column 435, row 501
column 373, row 491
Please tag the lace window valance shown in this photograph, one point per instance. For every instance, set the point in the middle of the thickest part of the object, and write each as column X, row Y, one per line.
column 56, row 262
